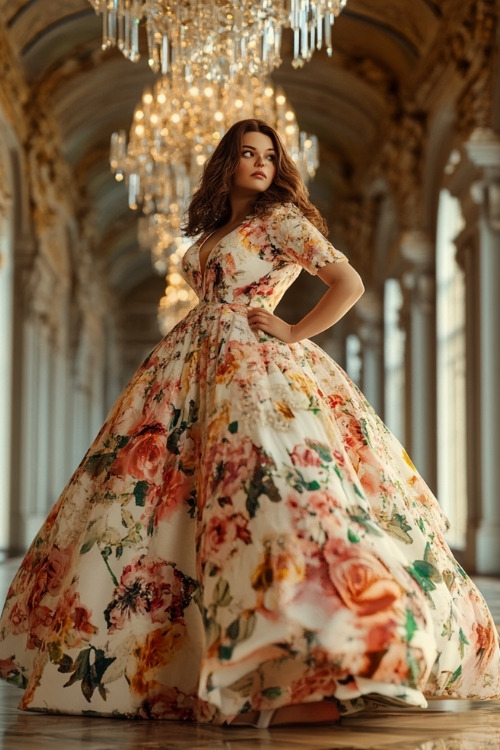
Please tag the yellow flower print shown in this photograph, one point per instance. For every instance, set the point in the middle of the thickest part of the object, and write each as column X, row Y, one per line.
column 408, row 460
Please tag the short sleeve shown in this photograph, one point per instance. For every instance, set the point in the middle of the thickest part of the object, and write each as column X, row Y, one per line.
column 300, row 240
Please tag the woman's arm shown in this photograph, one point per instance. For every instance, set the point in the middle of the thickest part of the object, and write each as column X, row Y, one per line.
column 345, row 288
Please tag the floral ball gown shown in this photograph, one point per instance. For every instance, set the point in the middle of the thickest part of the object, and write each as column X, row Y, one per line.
column 244, row 533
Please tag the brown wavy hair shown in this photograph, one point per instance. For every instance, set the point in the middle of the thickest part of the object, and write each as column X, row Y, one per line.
column 210, row 207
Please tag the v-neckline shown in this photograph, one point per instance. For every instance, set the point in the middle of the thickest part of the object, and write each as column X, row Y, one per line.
column 205, row 239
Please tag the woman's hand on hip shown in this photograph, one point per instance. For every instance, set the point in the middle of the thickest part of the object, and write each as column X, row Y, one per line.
column 265, row 321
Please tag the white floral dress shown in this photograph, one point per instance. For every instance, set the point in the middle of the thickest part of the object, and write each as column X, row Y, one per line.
column 244, row 532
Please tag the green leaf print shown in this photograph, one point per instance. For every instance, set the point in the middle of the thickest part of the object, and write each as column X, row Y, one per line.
column 295, row 479
column 176, row 434
column 358, row 491
column 271, row 693
column 193, row 412
column 270, row 489
column 399, row 528
column 225, row 652
column 192, row 504
column 90, row 674
column 98, row 463
column 174, row 437
column 222, row 593
column 323, row 451
column 425, row 574
column 463, row 642
column 252, row 502
column 127, row 518
column 352, row 536
column 312, row 486
column 261, row 483
column 364, row 520
column 411, row 626
column 364, row 430
column 176, row 415
column 140, row 492
column 454, row 677
column 414, row 667
column 313, row 405
column 430, row 558
column 18, row 680
column 239, row 630
column 243, row 627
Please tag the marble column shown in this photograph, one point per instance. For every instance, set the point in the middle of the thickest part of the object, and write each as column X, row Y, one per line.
column 6, row 346
column 419, row 281
column 370, row 311
column 467, row 258
column 484, row 151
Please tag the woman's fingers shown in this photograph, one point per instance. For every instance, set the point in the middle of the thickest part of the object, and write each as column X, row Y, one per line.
column 262, row 320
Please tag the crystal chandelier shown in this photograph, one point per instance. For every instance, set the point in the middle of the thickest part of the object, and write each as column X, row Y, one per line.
column 174, row 131
column 223, row 37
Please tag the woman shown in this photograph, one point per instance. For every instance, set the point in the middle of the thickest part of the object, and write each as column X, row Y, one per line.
column 245, row 541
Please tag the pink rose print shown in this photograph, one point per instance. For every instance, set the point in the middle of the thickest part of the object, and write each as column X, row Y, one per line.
column 72, row 623
column 302, row 455
column 221, row 534
column 319, row 682
column 58, row 565
column 143, row 456
column 149, row 587
column 363, row 582
column 234, row 460
column 8, row 668
column 162, row 502
column 18, row 618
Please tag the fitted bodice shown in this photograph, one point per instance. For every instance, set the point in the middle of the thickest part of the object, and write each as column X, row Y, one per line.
column 257, row 262
column 240, row 269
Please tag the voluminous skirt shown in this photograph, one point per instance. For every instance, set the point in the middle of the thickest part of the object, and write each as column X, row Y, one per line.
column 244, row 533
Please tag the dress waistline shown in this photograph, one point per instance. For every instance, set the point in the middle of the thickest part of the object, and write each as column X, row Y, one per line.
column 236, row 306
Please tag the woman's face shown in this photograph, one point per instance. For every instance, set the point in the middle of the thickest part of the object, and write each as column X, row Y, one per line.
column 257, row 165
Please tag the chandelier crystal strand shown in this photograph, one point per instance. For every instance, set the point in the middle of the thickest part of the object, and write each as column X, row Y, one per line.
column 232, row 35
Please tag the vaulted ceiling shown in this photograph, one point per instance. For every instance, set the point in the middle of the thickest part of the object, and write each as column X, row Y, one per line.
column 345, row 100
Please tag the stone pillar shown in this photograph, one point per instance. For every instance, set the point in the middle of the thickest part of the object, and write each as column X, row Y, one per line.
column 419, row 280
column 370, row 310
column 484, row 151
column 467, row 259
column 6, row 346
column 404, row 324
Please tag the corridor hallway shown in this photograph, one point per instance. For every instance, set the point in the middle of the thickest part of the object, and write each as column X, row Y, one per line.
column 446, row 725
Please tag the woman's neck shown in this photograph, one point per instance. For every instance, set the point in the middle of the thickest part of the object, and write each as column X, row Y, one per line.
column 240, row 209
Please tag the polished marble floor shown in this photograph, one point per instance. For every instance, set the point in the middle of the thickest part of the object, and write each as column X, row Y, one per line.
column 446, row 725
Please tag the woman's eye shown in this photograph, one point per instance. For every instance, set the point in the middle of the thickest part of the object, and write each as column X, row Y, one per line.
column 271, row 157
column 247, row 153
